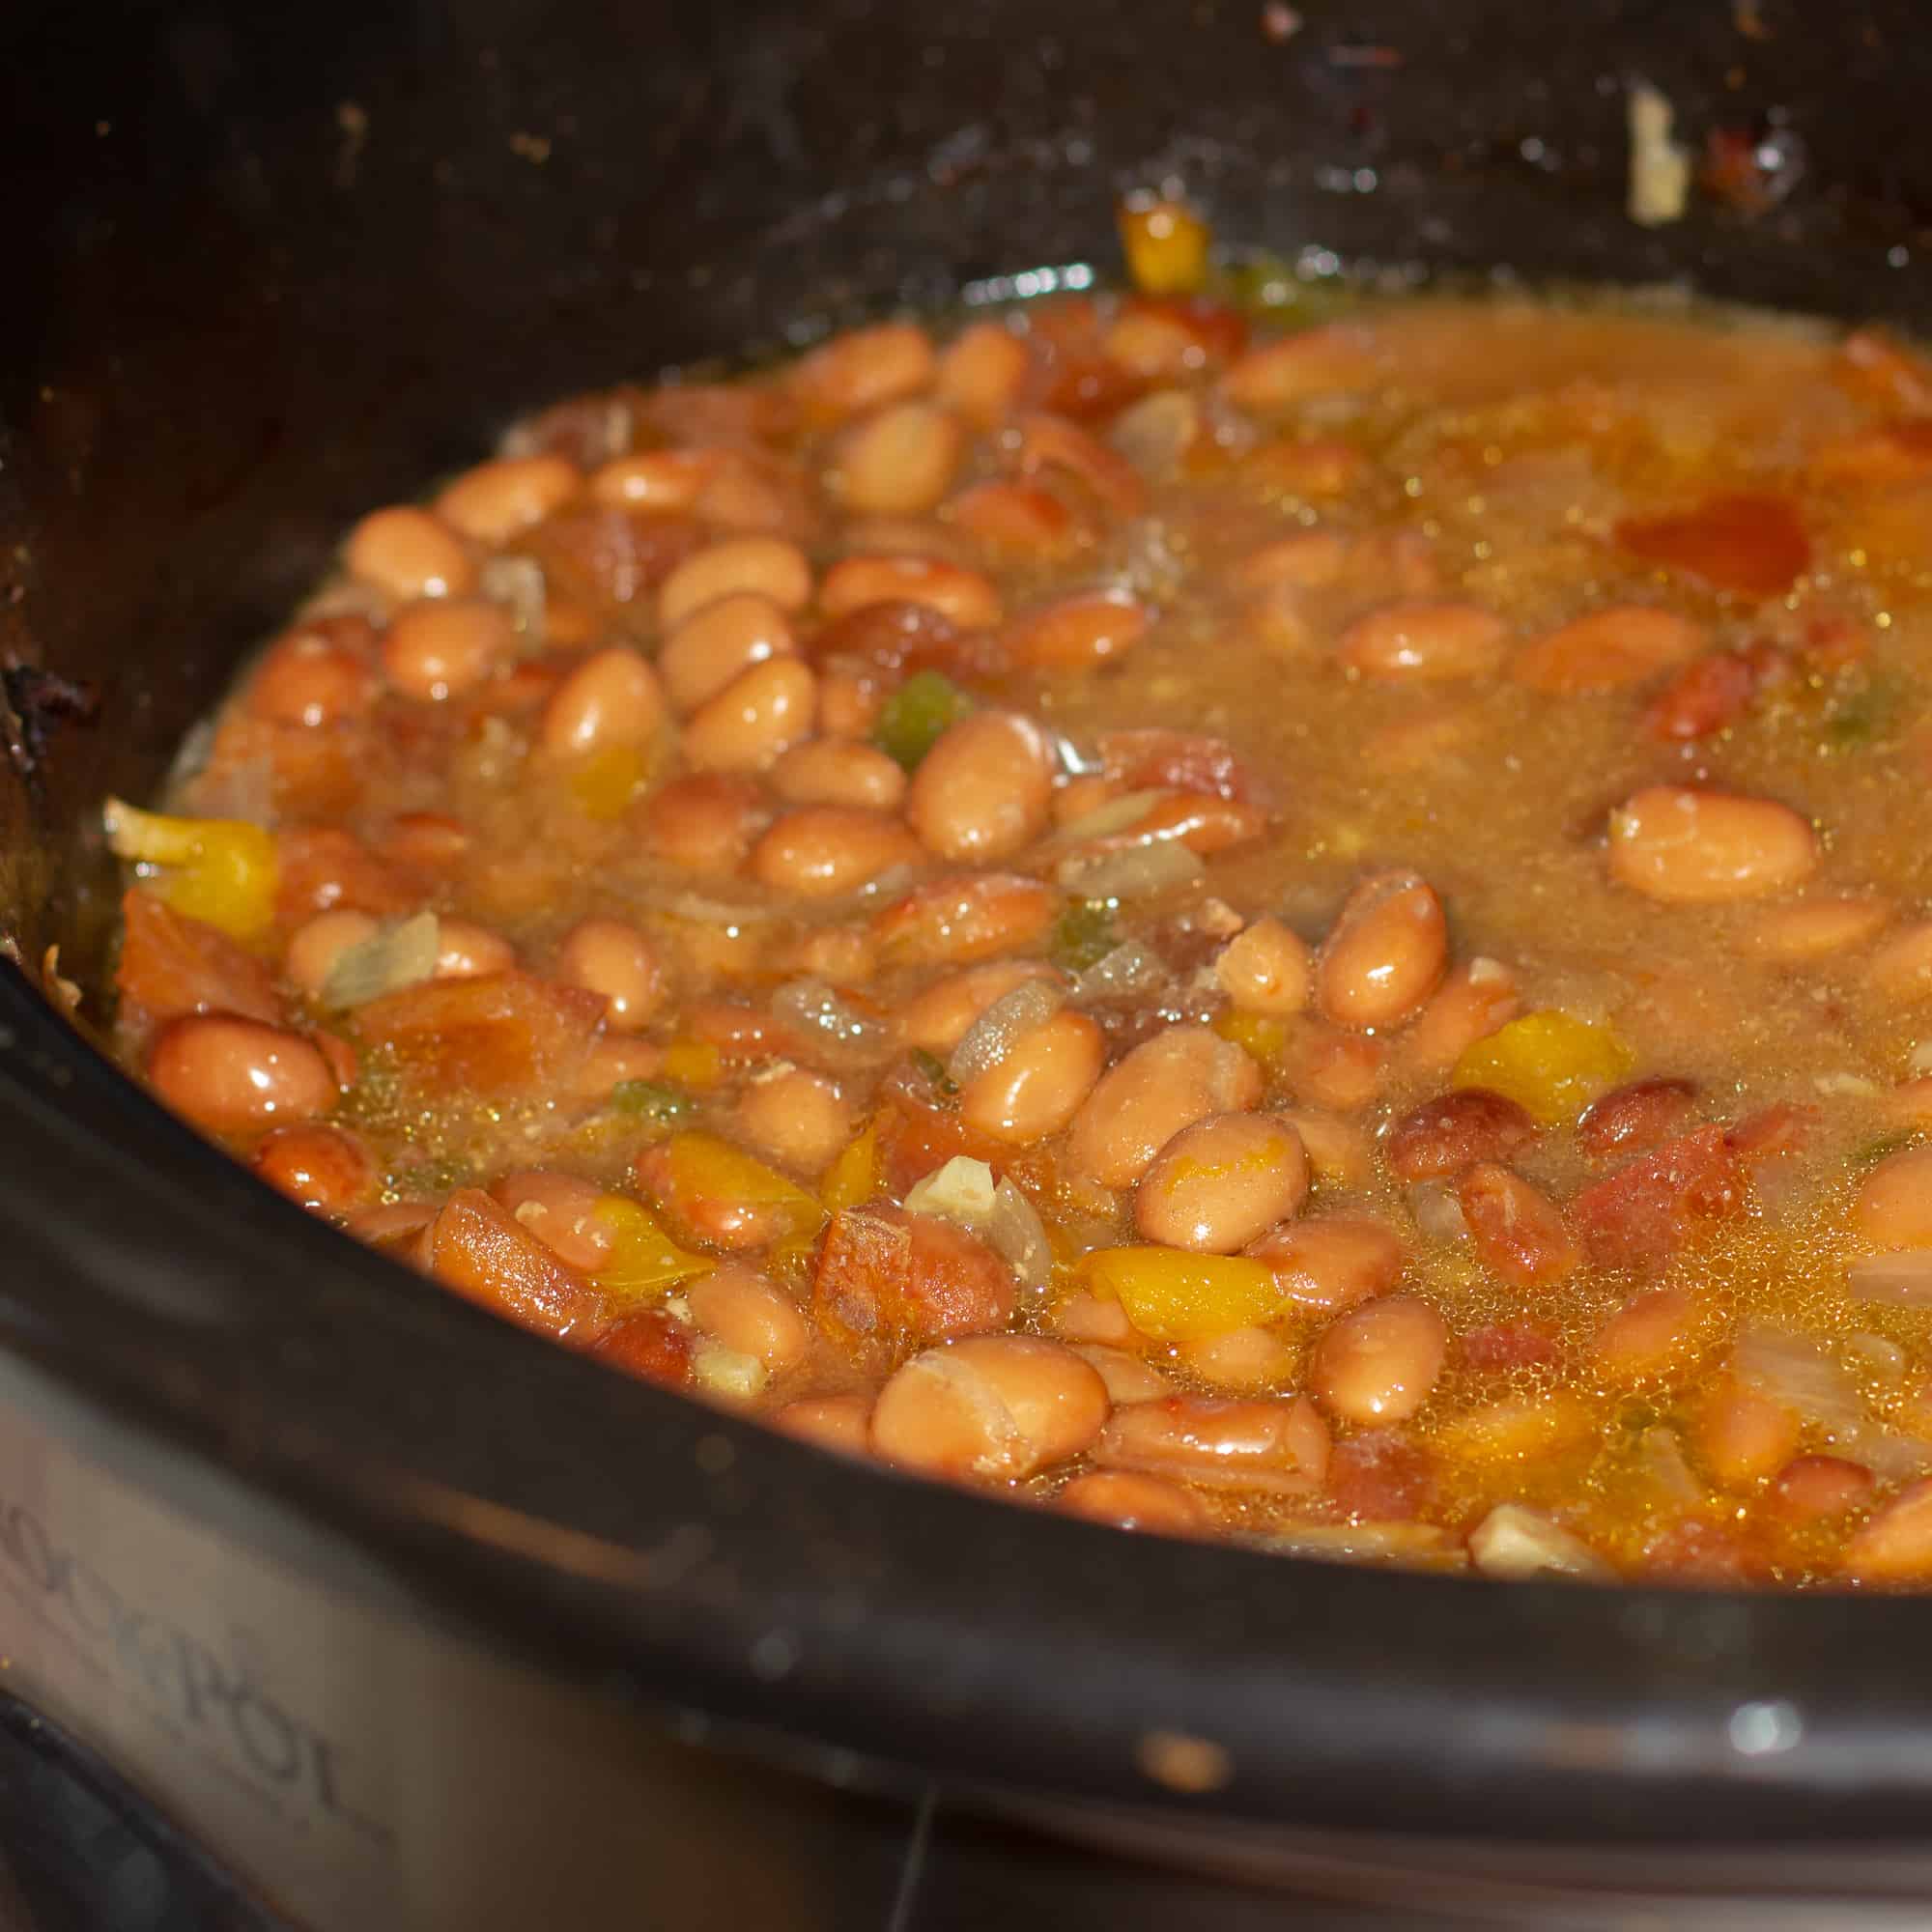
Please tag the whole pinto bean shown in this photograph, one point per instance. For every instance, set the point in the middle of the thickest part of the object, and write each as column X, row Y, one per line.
column 614, row 958
column 821, row 851
column 1036, row 1086
column 1515, row 1230
column 998, row 1406
column 835, row 770
column 1421, row 641
column 1129, row 1500
column 613, row 697
column 750, row 1312
column 755, row 719
column 408, row 552
column 720, row 641
column 1165, row 1084
column 322, row 1167
column 1265, row 968
column 1219, row 1184
column 1379, row 1362
column 494, row 501
column 1455, row 1130
column 898, row 462
column 1691, row 847
column 940, row 1017
column 1331, row 1263
column 1892, row 1209
column 768, row 566
column 1274, row 1447
column 1637, row 1116
column 705, row 823
column 227, row 1074
column 986, row 789
column 1386, row 954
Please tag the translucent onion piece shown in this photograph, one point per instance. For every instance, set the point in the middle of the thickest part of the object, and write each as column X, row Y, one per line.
column 1029, row 1003
column 1139, row 873
column 728, row 1373
column 831, row 1016
column 1017, row 1237
column 397, row 956
column 1130, row 968
column 1437, row 1212
column 1901, row 1280
column 1514, row 1543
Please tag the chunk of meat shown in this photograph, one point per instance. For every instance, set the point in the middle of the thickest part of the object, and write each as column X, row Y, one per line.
column 651, row 1345
column 172, row 965
column 1643, row 1213
column 482, row 1251
column 886, row 1281
column 1750, row 543
column 499, row 1034
column 1455, row 1130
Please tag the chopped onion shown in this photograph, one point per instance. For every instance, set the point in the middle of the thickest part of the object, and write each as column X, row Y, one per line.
column 1105, row 821
column 1792, row 1370
column 962, row 1191
column 830, row 1015
column 1903, row 1280
column 1875, row 1355
column 517, row 583
column 397, row 956
column 1130, row 968
column 1437, row 1211
column 1660, row 167
column 1660, row 1457
column 1139, row 873
column 706, row 911
column 1157, row 431
column 1017, row 1237
column 728, row 1373
column 1031, row 1004
column 1514, row 1543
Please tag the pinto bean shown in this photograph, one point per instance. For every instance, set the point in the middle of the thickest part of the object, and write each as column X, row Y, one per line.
column 317, row 944
column 1810, row 1488
column 984, row 790
column 1695, row 847
column 1894, row 1545
column 963, row 917
column 839, row 1423
column 755, row 719
column 1038, row 1085
column 324, row 1167
column 613, row 697
column 466, row 951
column 1021, row 519
column 862, row 368
column 494, row 501
column 1129, row 1500
column 309, row 678
column 1379, row 1362
column 748, row 1312
column 1637, row 1116
column 964, row 597
column 939, row 1018
column 1165, row 1084
column 559, row 1209
column 1266, row 968
column 440, row 647
column 614, row 958
column 1607, row 650
column 1386, row 954
column 705, row 823
column 407, row 554
column 1893, row 1207
column 1077, row 633
column 1339, row 1151
column 1742, row 1435
column 1331, row 1263
column 801, row 1119
column 1420, row 642
column 1471, row 1003
column 1222, row 1183
column 1277, row 1448
column 1900, row 972
column 227, row 1074
column 999, row 1406
column 1648, row 1335
column 767, row 567
column 1517, row 1231
column 980, row 372
column 1453, row 1131
column 822, row 851
column 898, row 462
column 1129, row 1378
column 717, row 642
column 1815, row 929
column 831, row 771
column 1248, row 1359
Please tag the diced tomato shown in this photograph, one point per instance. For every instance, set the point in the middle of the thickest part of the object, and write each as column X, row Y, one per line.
column 322, row 869
column 1644, row 1212
column 1502, row 1346
column 1154, row 760
column 500, row 1034
column 172, row 965
column 1704, row 698
column 885, row 1280
column 651, row 1345
column 1753, row 544
column 481, row 1251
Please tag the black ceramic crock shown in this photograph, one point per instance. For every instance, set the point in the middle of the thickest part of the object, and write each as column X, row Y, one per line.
column 414, row 1621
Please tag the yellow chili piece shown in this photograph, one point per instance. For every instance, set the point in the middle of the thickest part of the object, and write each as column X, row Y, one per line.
column 693, row 1063
column 604, row 783
column 706, row 1167
column 1262, row 1037
column 1173, row 1295
column 1551, row 1062
column 854, row 1176
column 1166, row 246
column 219, row 870
column 644, row 1261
